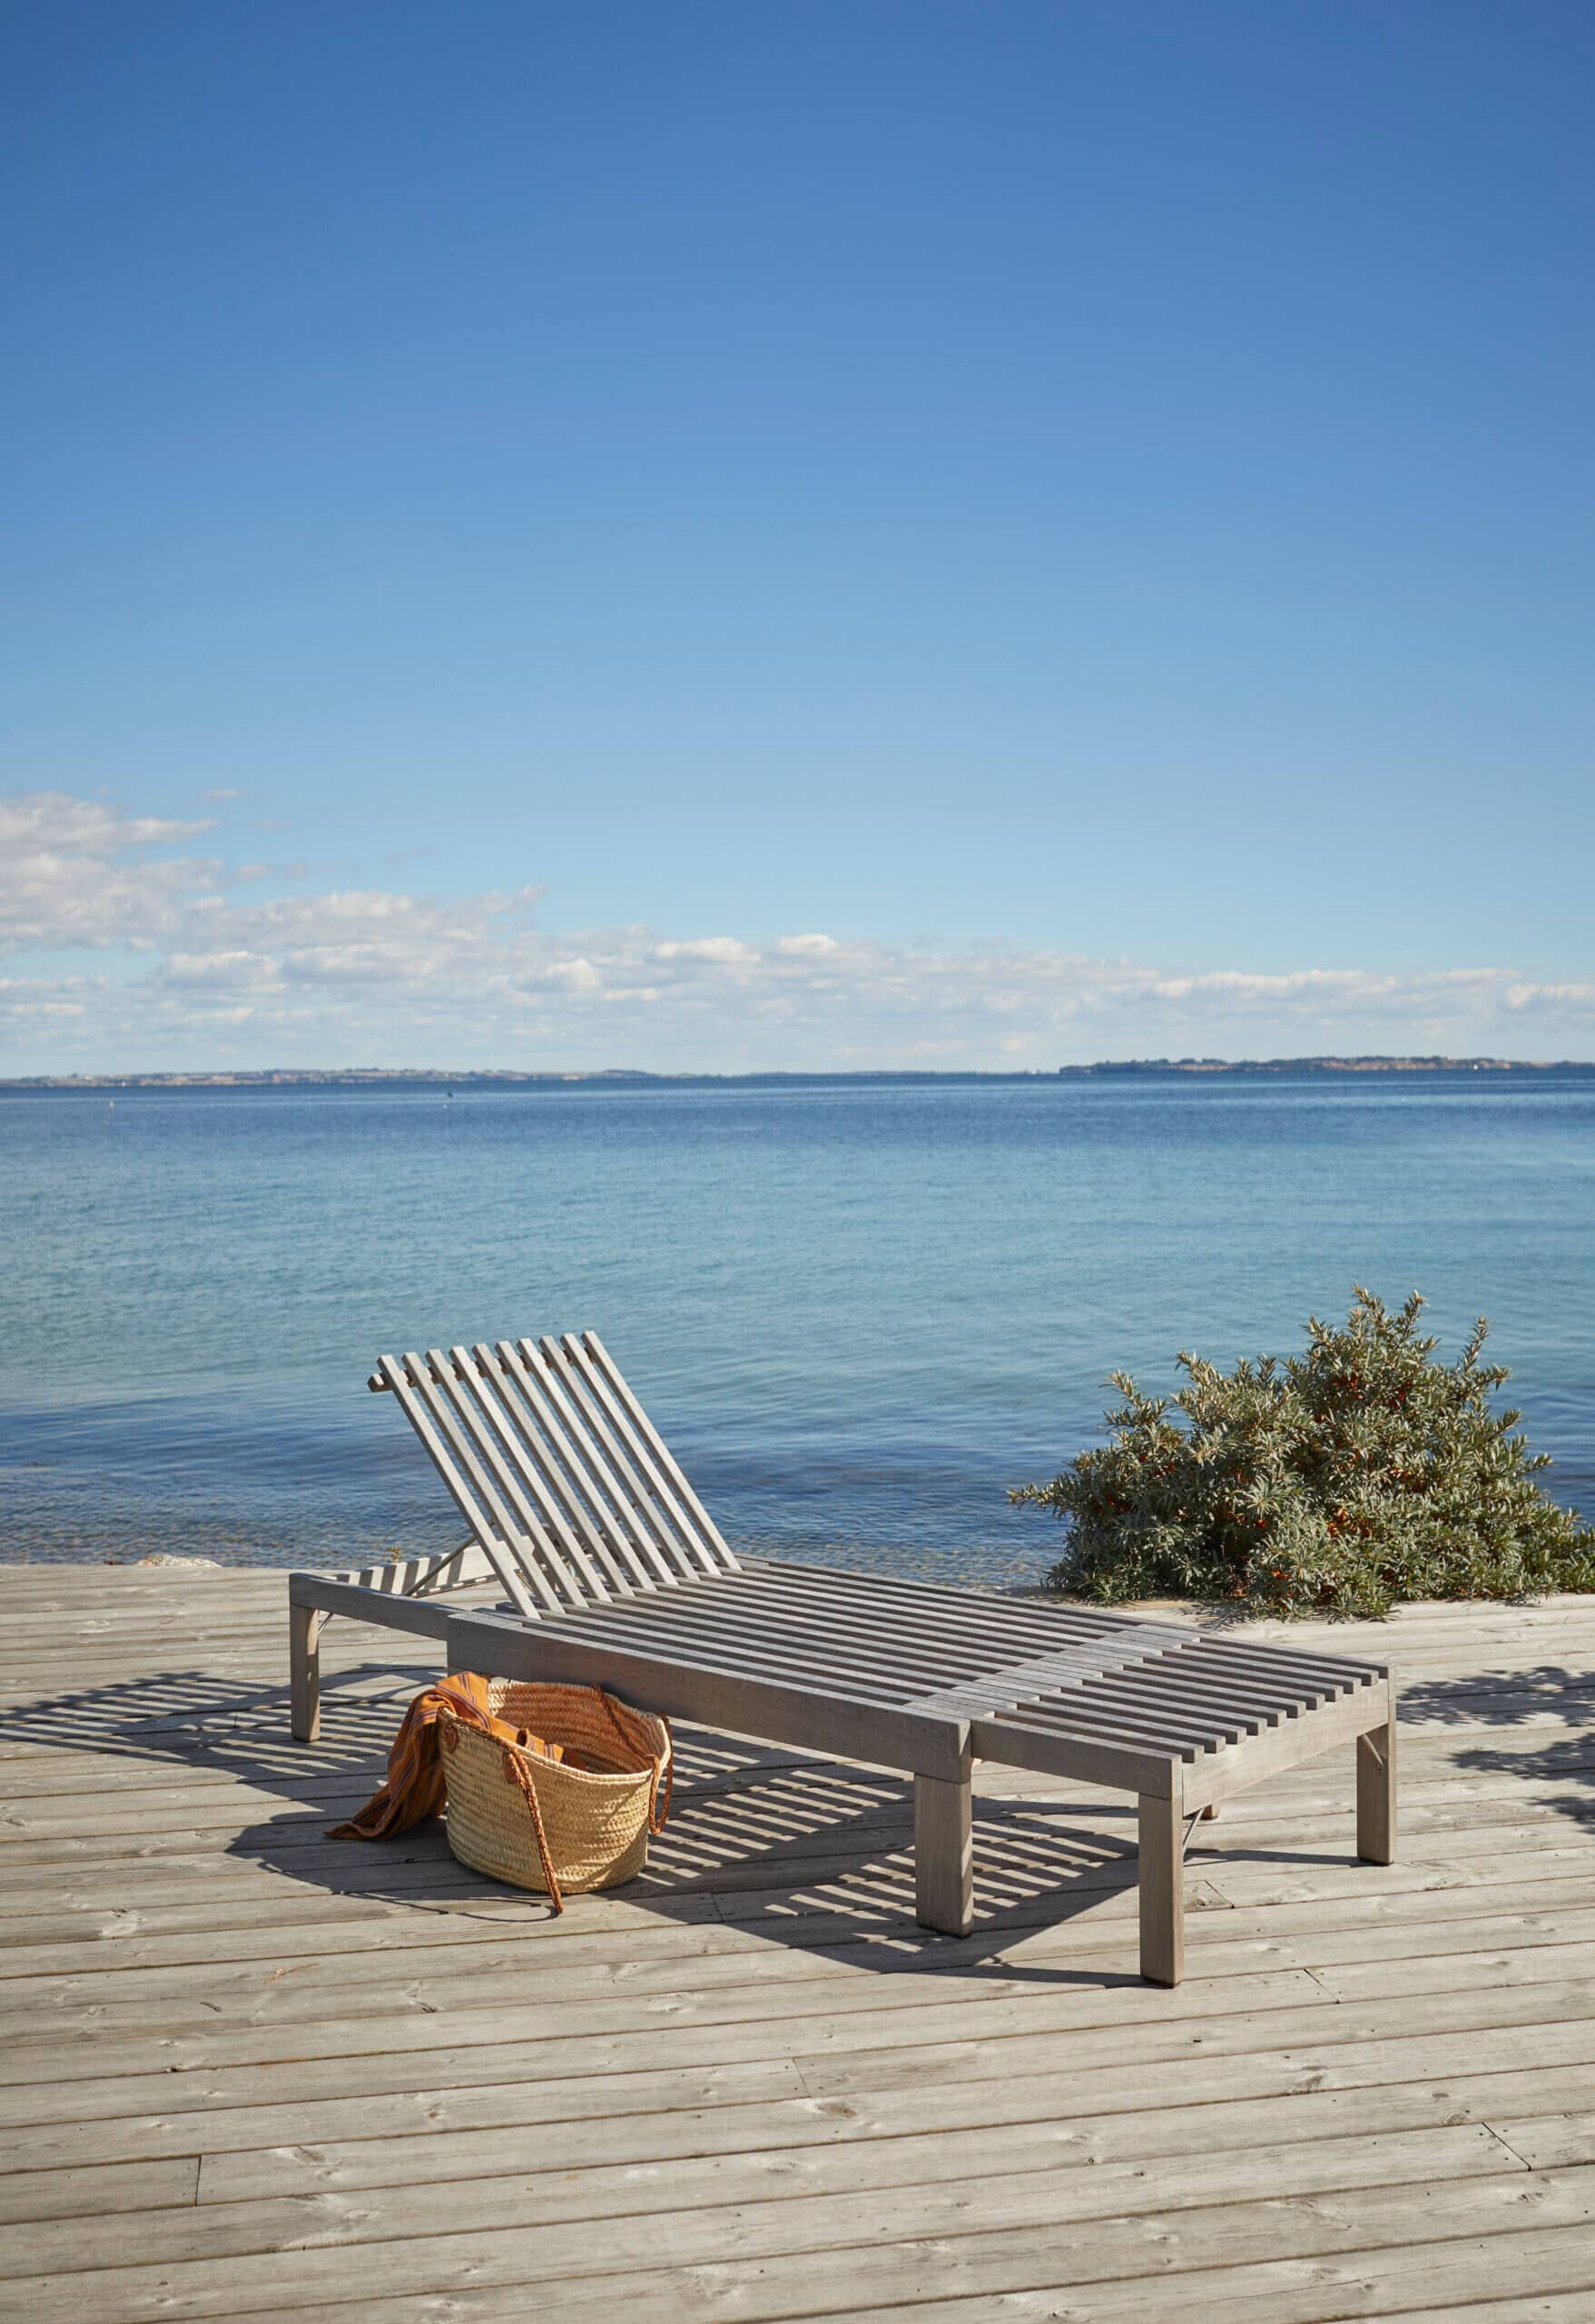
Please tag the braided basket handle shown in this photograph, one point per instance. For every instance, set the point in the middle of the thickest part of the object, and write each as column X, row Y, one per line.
column 515, row 1771
column 663, row 1765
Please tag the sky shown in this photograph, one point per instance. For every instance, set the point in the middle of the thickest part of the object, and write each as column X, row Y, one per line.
column 837, row 534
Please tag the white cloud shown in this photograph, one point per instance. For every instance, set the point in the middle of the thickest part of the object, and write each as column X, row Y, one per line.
column 74, row 872
column 396, row 976
column 1549, row 996
column 221, row 972
column 728, row 950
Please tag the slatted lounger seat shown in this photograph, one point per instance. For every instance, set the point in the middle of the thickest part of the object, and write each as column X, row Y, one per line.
column 614, row 1572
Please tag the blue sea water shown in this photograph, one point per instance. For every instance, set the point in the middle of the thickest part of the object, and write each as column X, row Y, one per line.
column 859, row 1310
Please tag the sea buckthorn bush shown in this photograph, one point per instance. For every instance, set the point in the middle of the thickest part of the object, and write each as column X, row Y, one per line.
column 1341, row 1481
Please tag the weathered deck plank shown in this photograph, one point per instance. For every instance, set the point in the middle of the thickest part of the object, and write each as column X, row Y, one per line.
column 249, row 2070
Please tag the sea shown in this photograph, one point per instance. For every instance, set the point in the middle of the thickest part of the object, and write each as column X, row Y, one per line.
column 860, row 1310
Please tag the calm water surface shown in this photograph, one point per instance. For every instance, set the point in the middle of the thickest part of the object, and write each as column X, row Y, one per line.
column 858, row 1311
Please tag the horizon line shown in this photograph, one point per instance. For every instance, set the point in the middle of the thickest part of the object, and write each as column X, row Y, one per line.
column 280, row 1075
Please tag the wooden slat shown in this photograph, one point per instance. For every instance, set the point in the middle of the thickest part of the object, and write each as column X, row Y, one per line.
column 1253, row 1681
column 619, row 1506
column 926, row 1661
column 991, row 1614
column 1159, row 1715
column 1263, row 1707
column 981, row 1609
column 94, row 2193
column 601, row 1527
column 1040, row 1674
column 1001, row 1734
column 1287, row 1684
column 833, row 2232
column 802, row 1593
column 505, row 1450
column 415, row 1577
column 747, row 1644
column 1320, row 1668
column 723, row 1617
column 710, row 1532
column 428, row 1375
column 805, row 1592
column 396, row 1378
column 731, row 1621
column 973, row 1601
column 902, row 2138
column 781, row 1665
column 1152, row 1686
column 650, row 1497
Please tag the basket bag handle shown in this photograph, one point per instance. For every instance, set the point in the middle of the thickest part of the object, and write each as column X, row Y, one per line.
column 516, row 1768
column 618, row 1714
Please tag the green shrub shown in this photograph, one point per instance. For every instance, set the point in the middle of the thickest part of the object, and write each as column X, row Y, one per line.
column 1336, row 1481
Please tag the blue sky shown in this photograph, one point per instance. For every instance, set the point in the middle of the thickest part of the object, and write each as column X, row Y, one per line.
column 1086, row 509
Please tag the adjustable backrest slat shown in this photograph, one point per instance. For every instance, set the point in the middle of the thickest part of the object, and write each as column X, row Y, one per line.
column 506, row 1397
column 458, row 1411
column 686, row 1539
column 569, row 1489
column 424, row 1374
column 602, row 1527
column 723, row 1559
column 599, row 1449
column 505, row 1564
column 675, row 1531
column 500, row 1443
column 431, row 1381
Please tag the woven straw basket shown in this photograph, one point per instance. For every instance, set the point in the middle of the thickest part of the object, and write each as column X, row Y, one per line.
column 541, row 1823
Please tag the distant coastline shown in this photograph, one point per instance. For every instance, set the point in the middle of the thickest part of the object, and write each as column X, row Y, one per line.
column 357, row 1076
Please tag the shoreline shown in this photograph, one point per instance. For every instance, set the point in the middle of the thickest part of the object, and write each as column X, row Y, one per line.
column 1208, row 1613
column 480, row 1077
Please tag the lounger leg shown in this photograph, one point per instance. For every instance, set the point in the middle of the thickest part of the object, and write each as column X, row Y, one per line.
column 944, row 1856
column 1376, row 1795
column 304, row 1672
column 1162, row 1872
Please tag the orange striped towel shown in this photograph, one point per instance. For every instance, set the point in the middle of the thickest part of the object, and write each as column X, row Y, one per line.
column 414, row 1788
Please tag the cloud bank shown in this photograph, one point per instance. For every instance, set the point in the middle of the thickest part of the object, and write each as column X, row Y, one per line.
column 125, row 947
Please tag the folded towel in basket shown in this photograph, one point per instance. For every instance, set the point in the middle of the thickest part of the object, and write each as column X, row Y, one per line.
column 414, row 1790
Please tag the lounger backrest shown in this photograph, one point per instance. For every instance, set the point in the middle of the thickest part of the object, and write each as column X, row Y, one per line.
column 557, row 1469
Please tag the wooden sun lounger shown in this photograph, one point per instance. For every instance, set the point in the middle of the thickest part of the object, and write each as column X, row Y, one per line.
column 614, row 1572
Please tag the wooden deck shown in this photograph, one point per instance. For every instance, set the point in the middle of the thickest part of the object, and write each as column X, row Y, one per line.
column 255, row 2072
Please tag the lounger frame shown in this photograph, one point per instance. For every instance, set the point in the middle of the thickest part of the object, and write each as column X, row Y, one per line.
column 614, row 1574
